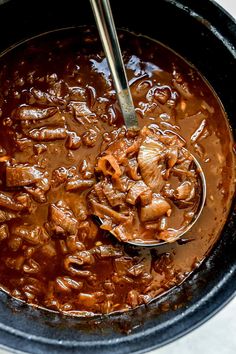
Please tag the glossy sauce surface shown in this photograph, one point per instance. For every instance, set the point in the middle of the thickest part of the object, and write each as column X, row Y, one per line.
column 58, row 113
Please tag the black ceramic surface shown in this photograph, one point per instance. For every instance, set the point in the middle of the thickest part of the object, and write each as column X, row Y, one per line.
column 206, row 36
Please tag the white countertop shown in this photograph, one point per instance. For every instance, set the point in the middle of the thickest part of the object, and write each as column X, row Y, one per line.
column 218, row 335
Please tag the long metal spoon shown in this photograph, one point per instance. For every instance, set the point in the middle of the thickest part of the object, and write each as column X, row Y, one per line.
column 108, row 35
column 106, row 27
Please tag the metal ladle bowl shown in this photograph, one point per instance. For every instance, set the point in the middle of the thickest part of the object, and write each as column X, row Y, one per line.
column 108, row 35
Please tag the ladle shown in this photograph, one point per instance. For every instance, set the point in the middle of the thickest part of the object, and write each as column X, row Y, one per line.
column 108, row 35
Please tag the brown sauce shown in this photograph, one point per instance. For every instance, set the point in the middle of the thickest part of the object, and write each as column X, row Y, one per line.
column 58, row 114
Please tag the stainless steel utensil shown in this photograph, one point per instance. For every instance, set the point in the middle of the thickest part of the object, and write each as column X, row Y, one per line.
column 108, row 35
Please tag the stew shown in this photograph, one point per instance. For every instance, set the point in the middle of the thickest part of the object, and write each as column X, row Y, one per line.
column 65, row 156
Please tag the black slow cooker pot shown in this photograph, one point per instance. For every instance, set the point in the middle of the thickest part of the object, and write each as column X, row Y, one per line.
column 205, row 35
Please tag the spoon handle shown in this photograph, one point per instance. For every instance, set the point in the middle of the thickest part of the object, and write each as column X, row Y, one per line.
column 107, row 31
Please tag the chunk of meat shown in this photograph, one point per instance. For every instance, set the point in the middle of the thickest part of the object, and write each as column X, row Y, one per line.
column 63, row 218
column 22, row 175
column 157, row 208
column 55, row 121
column 49, row 249
column 47, row 134
column 87, row 299
column 122, row 265
column 146, row 197
column 162, row 94
column 33, row 113
column 98, row 193
column 87, row 231
column 73, row 244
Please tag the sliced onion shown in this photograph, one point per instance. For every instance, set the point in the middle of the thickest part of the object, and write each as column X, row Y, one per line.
column 150, row 153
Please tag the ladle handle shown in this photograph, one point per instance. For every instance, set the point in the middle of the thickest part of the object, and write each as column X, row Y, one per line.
column 106, row 27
